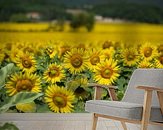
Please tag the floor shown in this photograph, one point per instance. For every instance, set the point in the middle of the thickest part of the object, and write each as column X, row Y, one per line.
column 50, row 121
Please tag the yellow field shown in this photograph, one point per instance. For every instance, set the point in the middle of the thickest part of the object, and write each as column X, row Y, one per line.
column 125, row 32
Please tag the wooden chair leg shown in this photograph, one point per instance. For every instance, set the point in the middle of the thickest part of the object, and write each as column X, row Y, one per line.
column 124, row 125
column 146, row 110
column 94, row 123
column 160, row 98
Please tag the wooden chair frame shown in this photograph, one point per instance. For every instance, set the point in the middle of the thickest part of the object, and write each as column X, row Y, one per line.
column 146, row 106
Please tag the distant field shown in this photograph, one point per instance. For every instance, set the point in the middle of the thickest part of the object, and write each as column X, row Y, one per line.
column 125, row 32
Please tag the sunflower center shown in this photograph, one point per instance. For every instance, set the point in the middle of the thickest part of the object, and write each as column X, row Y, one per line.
column 161, row 60
column 28, row 49
column 148, row 52
column 64, row 49
column 94, row 60
column 107, row 44
column 130, row 57
column 26, row 63
column 54, row 72
column 160, row 48
column 107, row 56
column 49, row 50
column 76, row 61
column 59, row 101
column 106, row 73
column 24, row 84
column 80, row 92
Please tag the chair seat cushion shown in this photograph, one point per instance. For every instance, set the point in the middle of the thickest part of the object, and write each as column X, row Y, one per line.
column 125, row 110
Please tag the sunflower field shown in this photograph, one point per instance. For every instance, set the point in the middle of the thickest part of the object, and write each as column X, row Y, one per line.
column 130, row 33
column 54, row 76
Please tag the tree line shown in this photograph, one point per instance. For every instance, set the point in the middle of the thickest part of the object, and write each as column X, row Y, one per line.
column 131, row 12
column 16, row 10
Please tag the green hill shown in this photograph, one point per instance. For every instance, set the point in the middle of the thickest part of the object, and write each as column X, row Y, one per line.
column 134, row 10
column 81, row 3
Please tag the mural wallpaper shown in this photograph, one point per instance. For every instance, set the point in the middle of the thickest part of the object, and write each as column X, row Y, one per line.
column 53, row 76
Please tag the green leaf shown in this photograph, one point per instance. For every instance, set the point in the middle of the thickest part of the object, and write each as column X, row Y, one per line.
column 121, row 83
column 5, row 107
column 43, row 108
column 79, row 107
column 25, row 97
column 120, row 95
column 8, row 126
column 104, row 93
column 26, row 107
column 4, row 72
column 22, row 97
column 72, row 85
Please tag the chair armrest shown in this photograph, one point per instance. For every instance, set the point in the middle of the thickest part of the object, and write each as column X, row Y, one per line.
column 147, row 88
column 98, row 87
column 148, row 98
column 102, row 86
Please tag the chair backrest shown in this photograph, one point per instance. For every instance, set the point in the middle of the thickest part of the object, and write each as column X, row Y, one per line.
column 143, row 77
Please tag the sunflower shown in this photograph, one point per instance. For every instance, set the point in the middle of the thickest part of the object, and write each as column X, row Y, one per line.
column 54, row 73
column 26, row 62
column 145, row 64
column 148, row 51
column 109, row 53
column 8, row 46
column 19, row 45
column 106, row 72
column 13, row 53
column 159, row 61
column 51, row 51
column 130, row 56
column 107, row 44
column 95, row 57
column 83, row 82
column 81, row 90
column 63, row 49
column 28, row 48
column 76, row 60
column 5, row 49
column 79, row 86
column 118, row 45
column 59, row 99
column 81, row 46
column 39, row 47
column 23, row 82
column 160, row 48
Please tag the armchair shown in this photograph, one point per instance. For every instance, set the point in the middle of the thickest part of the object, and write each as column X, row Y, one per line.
column 141, row 104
